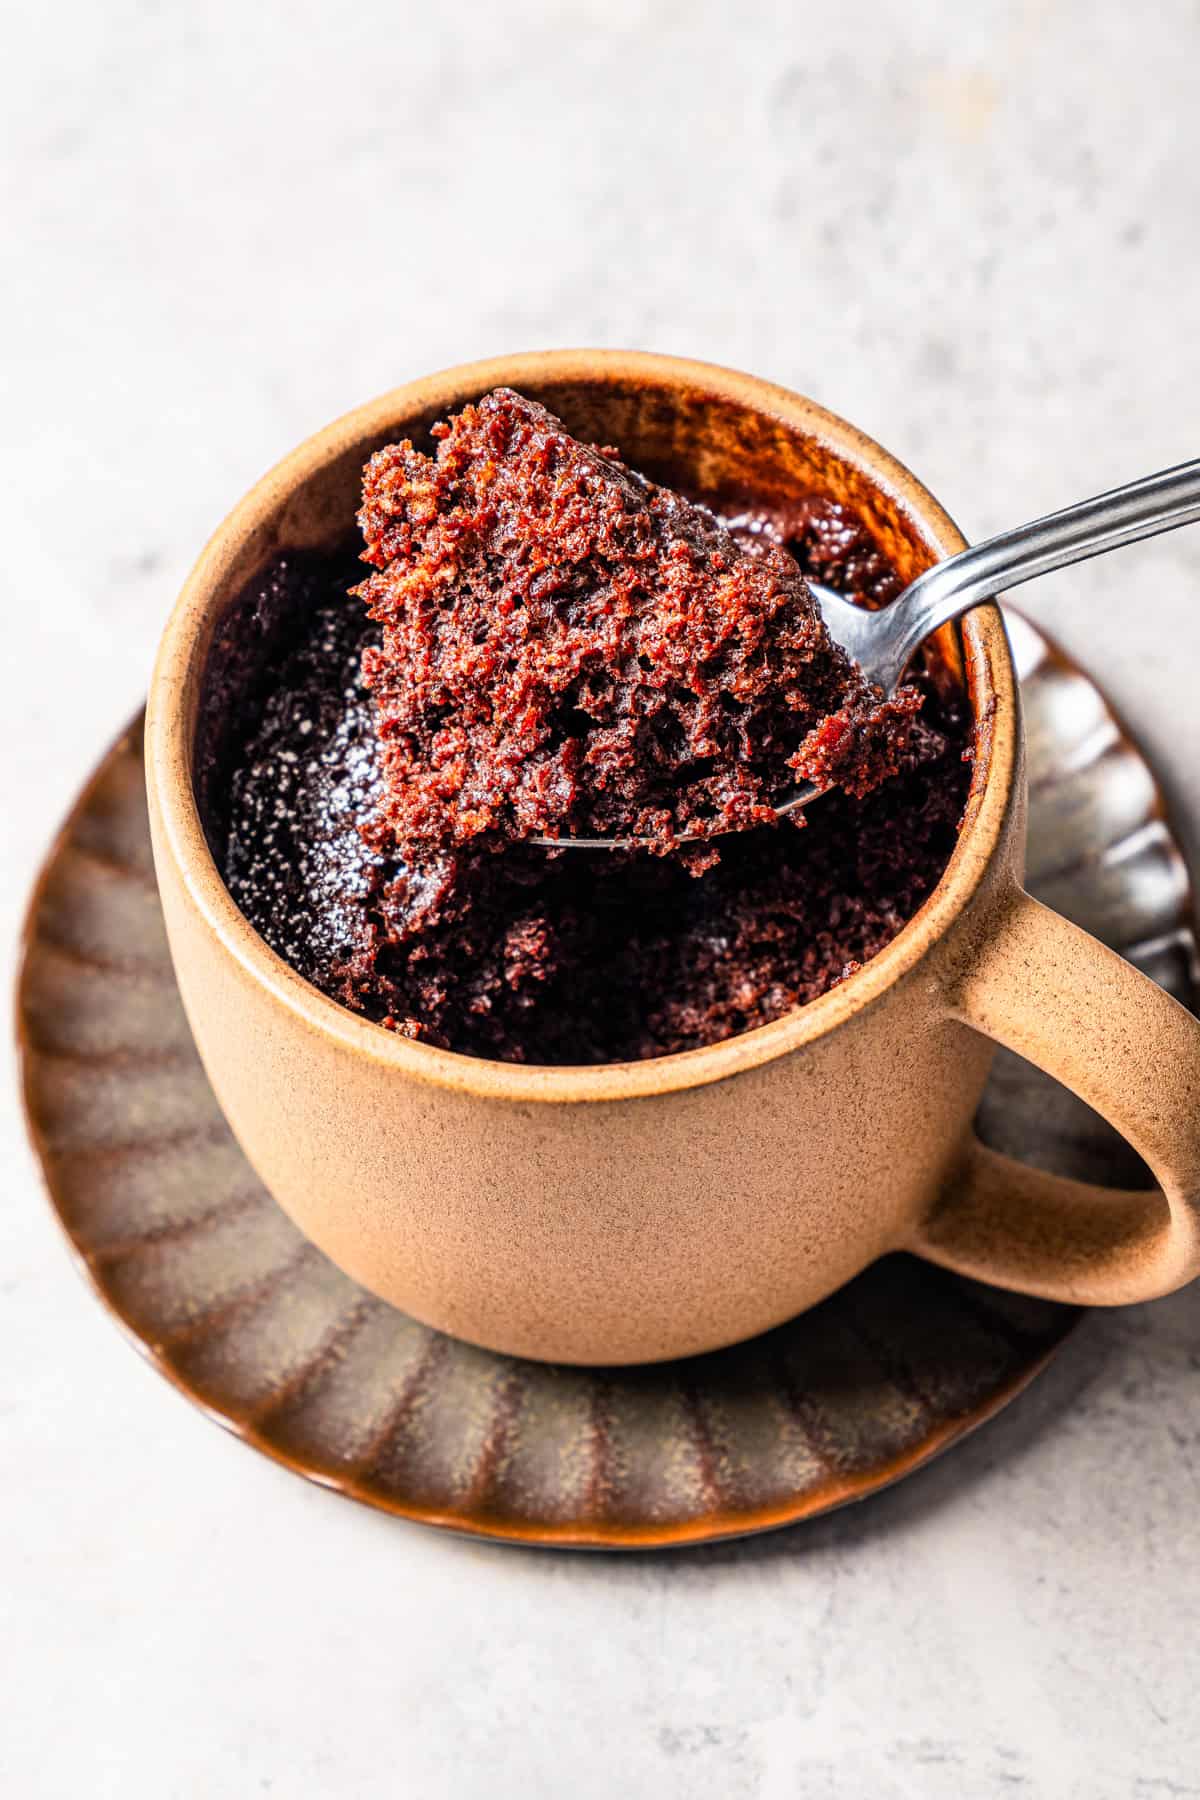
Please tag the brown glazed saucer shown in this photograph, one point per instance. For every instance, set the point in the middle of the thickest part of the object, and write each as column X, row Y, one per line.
column 234, row 1306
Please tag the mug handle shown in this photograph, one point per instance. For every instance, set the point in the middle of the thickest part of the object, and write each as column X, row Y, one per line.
column 1044, row 988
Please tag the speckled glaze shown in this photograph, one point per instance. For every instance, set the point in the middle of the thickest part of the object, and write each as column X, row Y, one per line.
column 640, row 1212
column 229, row 1301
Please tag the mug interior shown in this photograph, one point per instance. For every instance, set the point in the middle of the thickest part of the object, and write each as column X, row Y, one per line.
column 734, row 440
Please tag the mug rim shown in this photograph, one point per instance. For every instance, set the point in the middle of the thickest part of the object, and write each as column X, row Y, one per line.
column 182, row 653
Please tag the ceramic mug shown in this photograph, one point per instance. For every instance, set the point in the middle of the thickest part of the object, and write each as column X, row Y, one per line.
column 646, row 1210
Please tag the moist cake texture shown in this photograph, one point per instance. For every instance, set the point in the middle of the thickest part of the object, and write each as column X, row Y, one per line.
column 407, row 909
column 569, row 649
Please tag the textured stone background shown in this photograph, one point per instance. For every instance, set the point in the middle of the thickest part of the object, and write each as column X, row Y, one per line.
column 974, row 231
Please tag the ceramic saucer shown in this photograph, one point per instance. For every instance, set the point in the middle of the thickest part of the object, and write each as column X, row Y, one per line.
column 226, row 1298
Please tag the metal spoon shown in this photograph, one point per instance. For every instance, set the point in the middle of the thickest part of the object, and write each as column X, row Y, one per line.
column 884, row 643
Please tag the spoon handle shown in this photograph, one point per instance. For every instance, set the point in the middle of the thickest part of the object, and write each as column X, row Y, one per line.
column 1141, row 509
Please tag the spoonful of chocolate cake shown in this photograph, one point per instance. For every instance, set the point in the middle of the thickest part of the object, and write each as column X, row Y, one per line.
column 575, row 656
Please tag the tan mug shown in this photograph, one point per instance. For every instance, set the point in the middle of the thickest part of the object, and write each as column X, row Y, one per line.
column 645, row 1210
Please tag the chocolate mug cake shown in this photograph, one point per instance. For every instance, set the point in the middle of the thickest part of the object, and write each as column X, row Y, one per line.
column 549, row 643
column 623, row 1211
